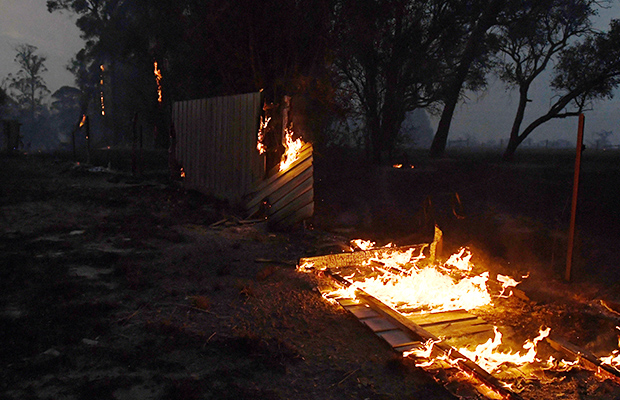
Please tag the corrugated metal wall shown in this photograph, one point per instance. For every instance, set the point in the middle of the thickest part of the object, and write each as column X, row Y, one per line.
column 289, row 193
column 216, row 144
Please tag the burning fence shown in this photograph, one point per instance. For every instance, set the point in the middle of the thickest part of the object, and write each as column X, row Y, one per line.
column 425, row 310
column 225, row 146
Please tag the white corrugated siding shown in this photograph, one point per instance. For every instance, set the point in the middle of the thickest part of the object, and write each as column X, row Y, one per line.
column 216, row 144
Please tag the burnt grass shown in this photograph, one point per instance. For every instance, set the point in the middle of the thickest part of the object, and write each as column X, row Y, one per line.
column 115, row 286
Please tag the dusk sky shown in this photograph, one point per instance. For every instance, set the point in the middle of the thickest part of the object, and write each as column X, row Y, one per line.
column 486, row 115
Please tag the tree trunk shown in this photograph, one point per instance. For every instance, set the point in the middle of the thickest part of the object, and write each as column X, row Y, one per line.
column 472, row 50
column 514, row 141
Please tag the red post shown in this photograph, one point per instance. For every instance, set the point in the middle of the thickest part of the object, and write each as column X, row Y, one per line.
column 573, row 210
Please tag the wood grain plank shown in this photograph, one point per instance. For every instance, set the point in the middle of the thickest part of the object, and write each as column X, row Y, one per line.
column 441, row 317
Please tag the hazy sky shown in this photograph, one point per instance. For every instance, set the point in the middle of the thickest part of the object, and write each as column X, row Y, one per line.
column 55, row 35
column 486, row 115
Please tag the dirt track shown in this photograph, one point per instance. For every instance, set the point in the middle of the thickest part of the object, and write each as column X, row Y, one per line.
column 119, row 288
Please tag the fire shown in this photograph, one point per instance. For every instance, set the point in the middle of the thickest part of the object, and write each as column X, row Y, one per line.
column 403, row 284
column 292, row 149
column 158, row 77
column 83, row 121
column 613, row 360
column 101, row 93
column 262, row 128
column 488, row 356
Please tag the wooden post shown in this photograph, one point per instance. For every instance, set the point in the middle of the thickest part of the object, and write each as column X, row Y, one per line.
column 87, row 128
column 573, row 210
column 134, row 145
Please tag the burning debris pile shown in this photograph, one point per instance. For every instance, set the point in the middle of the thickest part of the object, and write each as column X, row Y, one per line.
column 413, row 285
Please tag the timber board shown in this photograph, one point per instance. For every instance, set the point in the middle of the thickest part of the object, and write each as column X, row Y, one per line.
column 350, row 259
column 460, row 328
column 379, row 324
column 441, row 317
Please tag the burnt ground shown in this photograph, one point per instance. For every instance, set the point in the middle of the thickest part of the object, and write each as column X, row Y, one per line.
column 122, row 287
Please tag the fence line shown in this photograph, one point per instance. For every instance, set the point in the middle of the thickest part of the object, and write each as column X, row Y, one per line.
column 216, row 144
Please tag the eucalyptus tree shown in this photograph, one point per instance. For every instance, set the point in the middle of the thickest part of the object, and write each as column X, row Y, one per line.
column 470, row 61
column 530, row 39
column 585, row 71
column 390, row 58
column 27, row 87
column 114, row 70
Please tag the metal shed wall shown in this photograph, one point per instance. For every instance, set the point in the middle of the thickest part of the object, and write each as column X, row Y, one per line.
column 216, row 144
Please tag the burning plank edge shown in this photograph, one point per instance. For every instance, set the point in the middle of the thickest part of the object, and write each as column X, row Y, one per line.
column 586, row 359
column 338, row 260
column 413, row 329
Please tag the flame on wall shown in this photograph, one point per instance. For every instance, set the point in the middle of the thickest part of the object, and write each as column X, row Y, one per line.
column 262, row 128
column 292, row 148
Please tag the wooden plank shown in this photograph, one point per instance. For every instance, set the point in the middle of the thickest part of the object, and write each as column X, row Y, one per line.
column 587, row 359
column 362, row 311
column 339, row 260
column 397, row 338
column 379, row 324
column 460, row 328
column 440, row 317
column 417, row 332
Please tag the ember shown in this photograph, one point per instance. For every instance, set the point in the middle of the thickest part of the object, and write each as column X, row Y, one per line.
column 101, row 93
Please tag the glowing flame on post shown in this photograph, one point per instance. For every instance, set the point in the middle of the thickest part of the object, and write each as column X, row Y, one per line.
column 101, row 94
column 292, row 149
column 83, row 121
column 158, row 77
column 262, row 128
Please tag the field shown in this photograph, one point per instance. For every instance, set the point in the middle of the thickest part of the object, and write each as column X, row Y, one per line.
column 121, row 287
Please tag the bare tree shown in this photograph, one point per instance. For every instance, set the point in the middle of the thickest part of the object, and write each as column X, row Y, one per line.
column 585, row 71
column 27, row 86
column 530, row 40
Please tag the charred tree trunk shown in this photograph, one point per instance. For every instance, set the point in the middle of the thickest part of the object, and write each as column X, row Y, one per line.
column 473, row 48
column 514, row 140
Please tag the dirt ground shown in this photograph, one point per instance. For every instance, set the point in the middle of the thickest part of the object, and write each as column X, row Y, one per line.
column 122, row 287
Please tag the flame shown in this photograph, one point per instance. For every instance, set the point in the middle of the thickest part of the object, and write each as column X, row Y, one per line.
column 488, row 356
column 260, row 143
column 613, row 360
column 182, row 173
column 83, row 121
column 101, row 93
column 158, row 77
column 292, row 149
column 362, row 244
